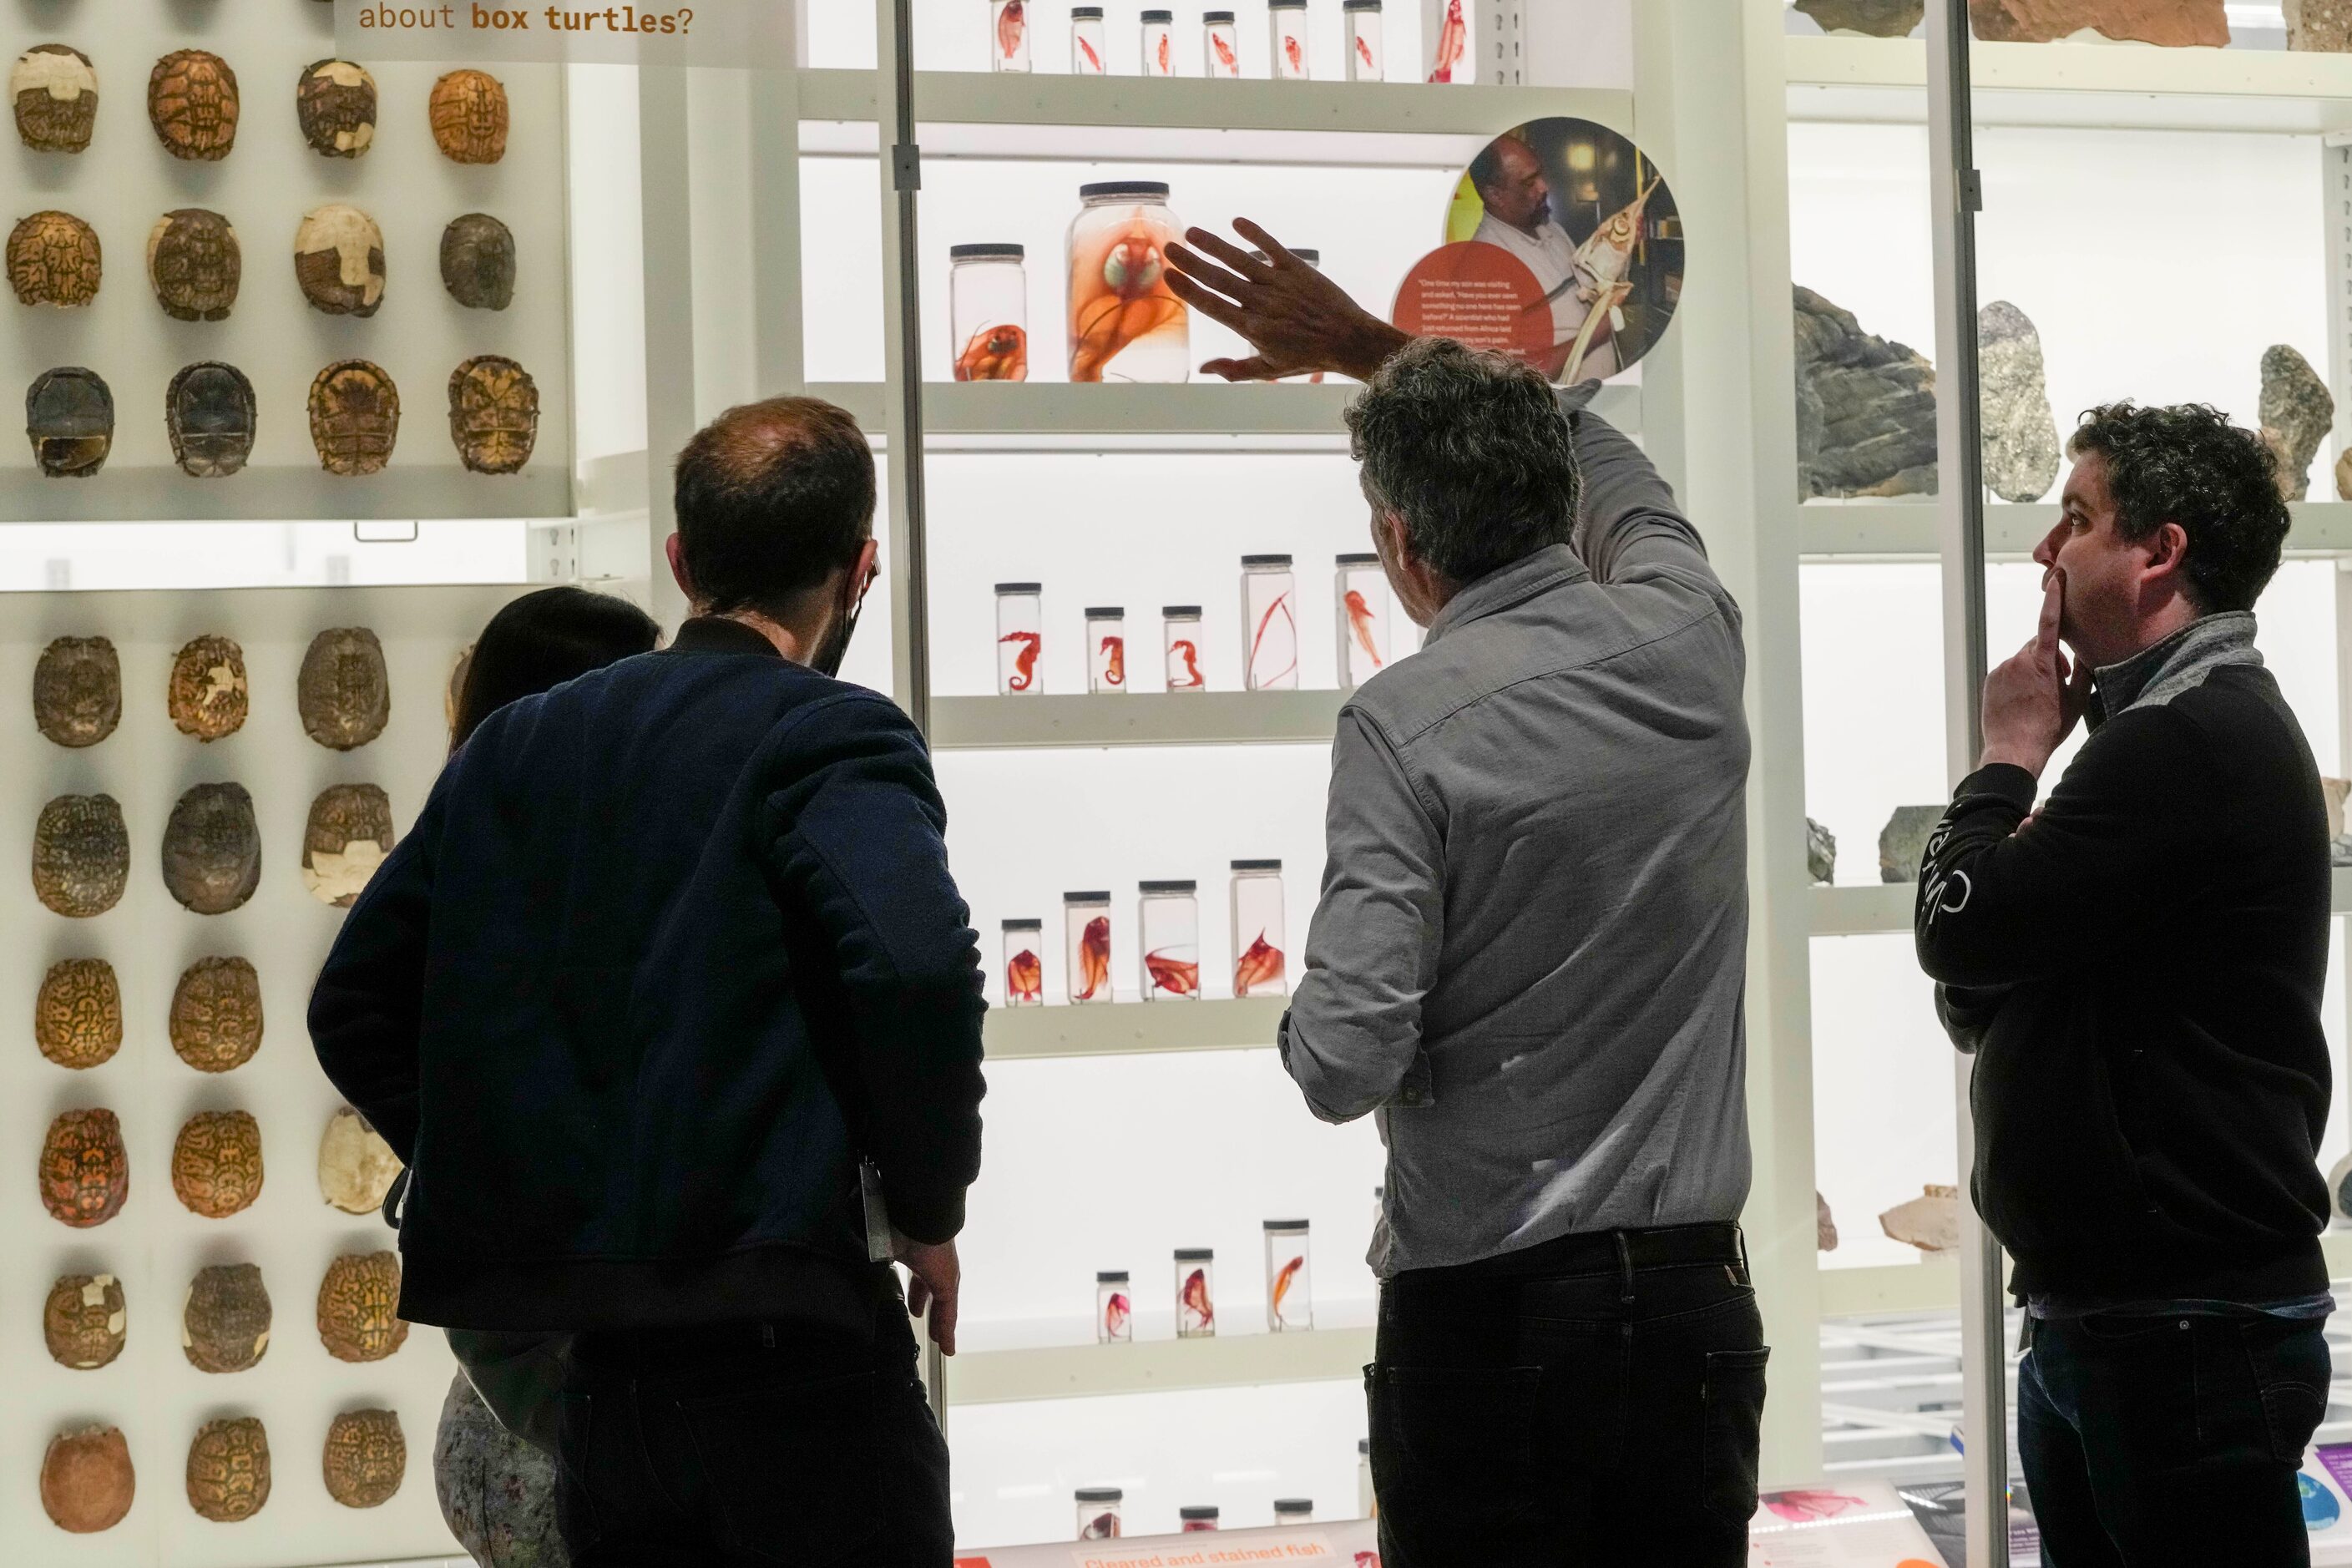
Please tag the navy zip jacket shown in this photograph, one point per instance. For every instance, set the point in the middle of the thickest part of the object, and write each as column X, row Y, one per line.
column 669, row 948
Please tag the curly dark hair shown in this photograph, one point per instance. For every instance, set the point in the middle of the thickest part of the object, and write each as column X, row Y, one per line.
column 2188, row 464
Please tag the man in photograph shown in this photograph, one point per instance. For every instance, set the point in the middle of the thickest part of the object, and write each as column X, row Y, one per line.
column 1509, row 179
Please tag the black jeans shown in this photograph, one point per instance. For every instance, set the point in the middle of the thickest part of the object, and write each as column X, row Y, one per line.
column 1592, row 1400
column 754, row 1442
column 2151, row 1441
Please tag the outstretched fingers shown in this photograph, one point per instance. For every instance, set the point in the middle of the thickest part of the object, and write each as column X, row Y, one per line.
column 1216, row 307
column 1233, row 255
column 1251, row 369
column 1274, row 249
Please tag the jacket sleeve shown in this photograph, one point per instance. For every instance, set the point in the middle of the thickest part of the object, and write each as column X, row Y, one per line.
column 858, row 838
column 1628, row 525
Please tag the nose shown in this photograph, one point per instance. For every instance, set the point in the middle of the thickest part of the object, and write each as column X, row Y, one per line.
column 2045, row 553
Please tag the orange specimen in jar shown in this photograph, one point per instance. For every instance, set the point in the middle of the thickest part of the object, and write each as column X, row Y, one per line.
column 1118, row 294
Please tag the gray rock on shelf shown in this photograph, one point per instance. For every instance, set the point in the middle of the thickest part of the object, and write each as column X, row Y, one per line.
column 1865, row 408
column 2021, row 435
column 496, row 1491
column 1879, row 18
column 1903, row 842
column 2297, row 411
column 2323, row 25
column 1821, row 852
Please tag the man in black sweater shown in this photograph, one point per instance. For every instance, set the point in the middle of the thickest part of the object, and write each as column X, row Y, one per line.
column 670, row 951
column 2138, row 966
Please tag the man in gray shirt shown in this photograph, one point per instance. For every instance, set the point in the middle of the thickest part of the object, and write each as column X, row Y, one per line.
column 1530, row 957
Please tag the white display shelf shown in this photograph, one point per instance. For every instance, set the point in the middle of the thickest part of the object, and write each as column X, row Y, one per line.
column 1134, row 1029
column 1234, row 1360
column 1885, row 909
column 1136, row 718
column 1896, row 530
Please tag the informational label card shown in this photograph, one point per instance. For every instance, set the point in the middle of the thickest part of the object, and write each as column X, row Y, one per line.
column 738, row 34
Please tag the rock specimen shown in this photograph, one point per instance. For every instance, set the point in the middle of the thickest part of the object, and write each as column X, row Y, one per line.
column 335, row 101
column 469, row 113
column 228, row 1469
column 355, row 417
column 56, row 94
column 2332, row 794
column 1825, row 1236
column 209, row 413
column 356, row 1166
column 2323, row 26
column 1879, row 18
column 349, row 834
column 207, row 695
column 2340, row 1190
column 83, row 1320
column 69, row 418
column 343, row 693
column 212, row 850
column 2175, row 24
column 85, row 1169
column 2297, row 411
column 1865, row 408
column 224, row 1323
column 2021, row 437
column 78, row 1012
column 195, row 264
column 54, row 259
column 477, row 262
column 86, row 1479
column 359, row 1307
column 497, row 1492
column 193, row 102
column 215, row 1019
column 81, row 855
column 493, row 414
column 216, row 1163
column 1930, row 1222
column 339, row 260
column 1903, row 842
column 366, row 1457
column 78, row 691
column 1821, row 852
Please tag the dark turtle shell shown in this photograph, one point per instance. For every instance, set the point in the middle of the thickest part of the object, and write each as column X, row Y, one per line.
column 209, row 411
column 81, row 855
column 54, row 259
column 477, row 262
column 225, row 1322
column 468, row 112
column 216, row 1018
column 195, row 264
column 343, row 693
column 228, row 1469
column 77, row 690
column 56, row 94
column 335, row 101
column 212, row 850
column 339, row 260
column 493, row 414
column 192, row 101
column 354, row 417
column 69, row 418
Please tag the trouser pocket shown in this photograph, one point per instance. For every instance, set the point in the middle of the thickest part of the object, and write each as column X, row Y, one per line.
column 1731, row 1417
column 2292, row 1372
column 796, row 1470
column 1451, row 1455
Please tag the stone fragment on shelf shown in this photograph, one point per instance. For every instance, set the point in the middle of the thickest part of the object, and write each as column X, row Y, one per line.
column 348, row 837
column 83, row 1320
column 81, row 855
column 1930, row 1222
column 87, row 1481
column 69, row 418
column 1821, row 852
column 78, row 1012
column 209, row 413
column 356, row 1166
column 216, row 1163
column 208, row 691
column 493, row 414
column 2344, row 475
column 343, row 692
column 1825, row 1236
column 56, row 96
column 2297, row 411
column 1903, row 842
column 366, row 1457
column 359, row 1302
column 228, row 1469
column 78, row 691
column 2020, row 434
column 1865, row 408
column 225, row 1322
column 195, row 264
column 497, row 1492
column 85, row 1169
column 212, row 850
column 2175, row 23
column 2320, row 26
column 1878, row 18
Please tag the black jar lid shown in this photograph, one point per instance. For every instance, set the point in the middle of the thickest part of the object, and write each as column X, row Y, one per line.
column 1024, row 925
column 987, row 252
column 1196, row 1511
column 1167, row 887
column 1265, row 560
column 1159, row 15
column 1147, row 189
column 1101, row 898
column 1359, row 5
column 1179, row 611
column 1110, row 1277
column 1106, row 613
column 1214, row 17
column 1286, row 1224
column 1257, row 865
column 1020, row 587
column 1364, row 558
column 1085, row 12
column 1100, row 1494
column 1195, row 1254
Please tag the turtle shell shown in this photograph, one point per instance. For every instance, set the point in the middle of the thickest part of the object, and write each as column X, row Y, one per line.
column 477, row 262
column 85, row 1169
column 339, row 260
column 69, row 417
column 77, row 690
column 192, row 101
column 335, row 101
column 344, row 693
column 347, row 838
column 355, row 417
column 216, row 1018
column 493, row 414
column 216, row 1163
column 228, row 1469
column 53, row 259
column 195, row 264
column 81, row 855
column 469, row 112
column 209, row 411
column 83, row 1320
column 356, row 1166
column 359, row 1307
column 56, row 94
column 225, row 1322
column 208, row 691
column 366, row 1457
column 78, row 1012
column 212, row 850
column 87, row 1482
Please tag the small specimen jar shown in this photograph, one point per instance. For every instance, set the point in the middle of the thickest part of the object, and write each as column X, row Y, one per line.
column 1196, row 1292
column 1159, row 43
column 1289, row 1281
column 1269, row 623
column 1114, row 1308
column 1360, row 597
column 1126, row 324
column 1286, row 21
column 1193, row 1518
column 1294, row 1511
column 1258, row 932
column 988, row 311
column 1087, row 41
column 1020, row 636
column 1181, row 641
column 1008, row 34
column 1220, row 50
column 1446, row 41
column 1106, row 648
column 1169, row 922
column 1367, row 1504
column 1098, row 1510
column 1365, row 59
column 1085, row 926
column 1024, row 967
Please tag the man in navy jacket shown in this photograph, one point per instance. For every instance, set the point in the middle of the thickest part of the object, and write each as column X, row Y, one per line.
column 671, row 950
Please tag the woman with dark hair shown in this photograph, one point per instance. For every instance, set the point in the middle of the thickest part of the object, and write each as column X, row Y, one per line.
column 541, row 640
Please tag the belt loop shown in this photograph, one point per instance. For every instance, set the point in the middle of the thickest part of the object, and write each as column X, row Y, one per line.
column 1624, row 1267
column 1740, row 1234
column 767, row 1336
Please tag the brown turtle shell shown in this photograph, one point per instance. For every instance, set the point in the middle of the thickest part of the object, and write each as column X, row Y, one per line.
column 356, row 1166
column 81, row 855
column 355, row 417
column 212, row 850
column 228, row 1469
column 359, row 1307
column 195, row 264
column 225, row 1322
column 335, row 101
column 344, row 693
column 348, row 835
column 77, row 690
column 193, row 102
column 478, row 261
column 209, row 413
column 69, row 418
column 493, row 414
column 56, row 94
column 85, row 1169
column 366, row 1457
column 54, row 259
column 215, row 1019
column 216, row 1163
column 83, row 1320
column 77, row 1014
column 207, row 694
column 87, row 1482
column 468, row 112
column 339, row 260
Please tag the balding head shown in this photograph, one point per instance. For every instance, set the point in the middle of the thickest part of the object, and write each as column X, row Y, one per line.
column 1509, row 180
column 773, row 499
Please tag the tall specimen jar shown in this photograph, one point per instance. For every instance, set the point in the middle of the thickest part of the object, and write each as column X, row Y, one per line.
column 988, row 311
column 1114, row 1308
column 1361, row 602
column 1289, row 1281
column 1159, row 43
column 1008, row 34
column 1086, row 927
column 1180, row 641
column 1448, row 40
column 1020, row 636
column 1124, row 322
column 1220, row 50
column 1258, row 934
column 1024, row 966
column 1286, row 25
column 1197, row 1517
column 1169, row 926
column 1099, row 1512
column 1086, row 44
column 1294, row 1511
column 1196, row 1292
column 1366, row 58
column 1269, row 623
column 1106, row 648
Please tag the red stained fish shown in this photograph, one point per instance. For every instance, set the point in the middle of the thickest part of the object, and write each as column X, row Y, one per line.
column 1010, row 23
column 1024, row 666
column 1453, row 42
column 1260, row 963
column 1195, row 1297
column 1114, row 663
column 1165, row 67
column 1115, row 1315
column 1094, row 957
column 1364, row 53
column 1102, row 1527
column 1281, row 606
column 1000, row 352
column 1024, row 977
column 1282, row 1285
column 1094, row 60
column 1359, row 621
column 1226, row 55
column 1295, row 55
column 1172, row 974
column 1802, row 1506
column 1192, row 679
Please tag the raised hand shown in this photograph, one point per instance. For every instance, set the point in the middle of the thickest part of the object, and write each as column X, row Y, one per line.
column 2034, row 698
column 1298, row 319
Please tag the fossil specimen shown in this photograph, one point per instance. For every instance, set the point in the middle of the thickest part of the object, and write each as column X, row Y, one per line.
column 1865, row 408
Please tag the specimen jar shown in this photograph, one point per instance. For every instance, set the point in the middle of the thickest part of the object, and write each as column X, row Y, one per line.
column 1258, row 934
column 1106, row 648
column 1269, row 623
column 1086, row 927
column 1181, row 640
column 1446, row 44
column 1221, row 53
column 1086, row 40
column 1124, row 323
column 1114, row 1308
column 1020, row 634
column 1159, row 43
column 988, row 311
column 1198, row 1518
column 1290, row 1282
column 1010, row 34
column 1024, row 966
column 1196, row 1292
column 1294, row 1511
column 1099, row 1512
column 1286, row 21
column 1364, row 55
column 1361, row 603
column 1169, row 923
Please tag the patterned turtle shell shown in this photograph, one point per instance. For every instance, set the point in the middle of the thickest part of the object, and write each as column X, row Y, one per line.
column 343, row 692
column 193, row 102
column 216, row 1018
column 54, row 259
column 225, row 1322
column 365, row 1459
column 335, row 101
column 216, row 1163
column 355, row 417
column 78, row 1012
column 85, row 1169
column 210, row 412
column 194, row 263
column 83, row 1320
column 339, row 260
column 228, row 1469
column 359, row 1307
column 206, row 694
column 55, row 95
column 347, row 838
column 468, row 112
column 77, row 690
column 493, row 414
column 81, row 855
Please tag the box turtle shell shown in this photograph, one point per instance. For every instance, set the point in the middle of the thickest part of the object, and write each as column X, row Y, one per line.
column 478, row 261
column 348, row 837
column 493, row 414
column 69, row 418
column 339, row 260
column 228, row 1469
column 216, row 1163
column 344, row 693
column 356, row 1166
column 468, row 112
column 54, row 259
column 225, row 1322
column 87, row 1482
column 207, row 693
column 193, row 102
column 195, row 264
column 83, row 1320
column 81, row 855
column 216, row 1018
column 212, row 850
column 355, row 417
column 366, row 1457
column 85, row 1169
column 78, row 1012
column 210, row 414
column 56, row 94
column 77, row 690
column 335, row 101
column 359, row 1307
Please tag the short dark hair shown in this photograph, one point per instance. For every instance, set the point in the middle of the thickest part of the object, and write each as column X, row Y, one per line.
column 1487, row 168
column 542, row 639
column 1471, row 451
column 772, row 498
column 2188, row 464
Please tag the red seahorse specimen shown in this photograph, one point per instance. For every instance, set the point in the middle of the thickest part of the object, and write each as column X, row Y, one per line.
column 1024, row 666
column 1190, row 679
column 1115, row 661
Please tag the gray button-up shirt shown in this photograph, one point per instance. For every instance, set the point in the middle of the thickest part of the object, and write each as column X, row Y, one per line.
column 1530, row 954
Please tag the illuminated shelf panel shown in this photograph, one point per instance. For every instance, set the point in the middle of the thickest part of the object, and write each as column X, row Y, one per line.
column 1125, row 1029
column 1886, row 909
column 1235, row 1361
column 1136, row 718
column 1896, row 530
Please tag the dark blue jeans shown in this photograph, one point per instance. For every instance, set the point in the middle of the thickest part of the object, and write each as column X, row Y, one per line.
column 2153, row 1441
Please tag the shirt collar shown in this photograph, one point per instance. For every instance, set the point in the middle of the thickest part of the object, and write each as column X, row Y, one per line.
column 716, row 634
column 1505, row 586
column 2227, row 637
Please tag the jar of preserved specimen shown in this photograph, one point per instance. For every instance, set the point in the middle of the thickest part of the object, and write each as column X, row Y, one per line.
column 1221, row 58
column 1099, row 1509
column 1287, row 21
column 1269, row 623
column 1181, row 643
column 1289, row 1283
column 1087, row 41
column 1168, row 931
column 1196, row 1292
column 1362, row 614
column 1159, row 43
column 1124, row 323
column 1196, row 1517
column 1106, row 648
column 1258, row 931
column 988, row 311
column 1114, row 1308
column 1086, row 929
column 1024, row 969
column 1008, row 34
column 1365, row 56
column 1294, row 1511
column 1446, row 40
column 1020, row 635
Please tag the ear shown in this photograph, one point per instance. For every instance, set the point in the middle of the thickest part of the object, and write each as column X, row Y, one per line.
column 675, row 550
column 1399, row 542
column 861, row 571
column 2168, row 554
